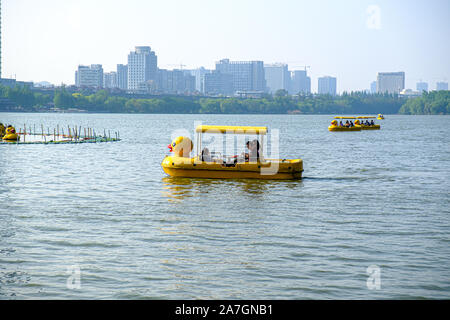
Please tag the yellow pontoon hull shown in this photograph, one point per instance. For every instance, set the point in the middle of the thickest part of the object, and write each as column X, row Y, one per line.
column 11, row 137
column 344, row 129
column 375, row 127
column 269, row 170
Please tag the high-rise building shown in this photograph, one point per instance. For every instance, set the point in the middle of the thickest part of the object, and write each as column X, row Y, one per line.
column 277, row 77
column 110, row 80
column 199, row 75
column 217, row 83
column 247, row 75
column 174, row 82
column 327, row 85
column 300, row 82
column 373, row 87
column 122, row 77
column 181, row 82
column 89, row 76
column 189, row 83
column 142, row 67
column 441, row 86
column 390, row 82
column 422, row 86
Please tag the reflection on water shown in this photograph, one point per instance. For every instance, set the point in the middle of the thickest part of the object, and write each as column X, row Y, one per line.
column 182, row 188
column 335, row 178
column 176, row 188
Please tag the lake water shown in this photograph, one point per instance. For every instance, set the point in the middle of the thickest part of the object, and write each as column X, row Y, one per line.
column 103, row 221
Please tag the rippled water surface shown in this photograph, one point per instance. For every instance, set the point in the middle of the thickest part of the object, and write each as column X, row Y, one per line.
column 376, row 198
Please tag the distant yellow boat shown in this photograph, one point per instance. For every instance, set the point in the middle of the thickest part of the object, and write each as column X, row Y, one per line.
column 215, row 166
column 358, row 125
column 380, row 117
column 336, row 127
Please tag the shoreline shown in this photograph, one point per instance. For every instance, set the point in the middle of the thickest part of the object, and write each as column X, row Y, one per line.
column 225, row 114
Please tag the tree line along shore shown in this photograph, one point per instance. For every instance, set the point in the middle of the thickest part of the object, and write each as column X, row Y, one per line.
column 24, row 99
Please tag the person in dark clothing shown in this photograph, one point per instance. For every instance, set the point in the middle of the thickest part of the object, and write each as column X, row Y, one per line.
column 254, row 148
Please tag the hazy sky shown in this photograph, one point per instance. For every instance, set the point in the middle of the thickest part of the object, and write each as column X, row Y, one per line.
column 45, row 40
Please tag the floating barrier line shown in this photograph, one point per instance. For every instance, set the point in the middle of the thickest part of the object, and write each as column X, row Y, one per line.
column 73, row 136
column 79, row 141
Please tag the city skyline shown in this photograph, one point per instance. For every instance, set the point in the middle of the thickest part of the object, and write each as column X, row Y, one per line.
column 242, row 76
column 48, row 40
column 247, row 78
column 274, row 77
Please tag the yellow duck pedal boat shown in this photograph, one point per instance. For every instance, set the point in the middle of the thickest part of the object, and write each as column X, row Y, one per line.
column 336, row 127
column 210, row 166
column 359, row 124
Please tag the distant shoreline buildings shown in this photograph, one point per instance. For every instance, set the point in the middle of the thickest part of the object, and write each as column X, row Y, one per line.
column 394, row 83
column 229, row 78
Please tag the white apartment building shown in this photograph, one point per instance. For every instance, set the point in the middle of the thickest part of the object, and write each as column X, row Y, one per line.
column 142, row 67
column 110, row 80
column 277, row 77
column 89, row 76
column 390, row 82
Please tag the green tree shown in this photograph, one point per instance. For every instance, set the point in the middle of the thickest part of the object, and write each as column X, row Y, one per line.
column 281, row 93
column 63, row 99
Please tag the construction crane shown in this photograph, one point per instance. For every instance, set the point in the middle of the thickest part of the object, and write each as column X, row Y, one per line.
column 181, row 65
column 306, row 67
column 296, row 64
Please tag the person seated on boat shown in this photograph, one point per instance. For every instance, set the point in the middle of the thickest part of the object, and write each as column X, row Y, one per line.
column 351, row 124
column 347, row 124
column 206, row 155
column 372, row 123
column 367, row 123
column 341, row 124
column 254, row 148
column 2, row 130
column 246, row 155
